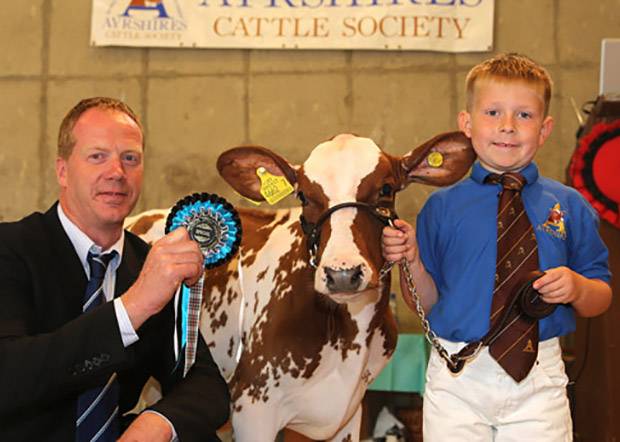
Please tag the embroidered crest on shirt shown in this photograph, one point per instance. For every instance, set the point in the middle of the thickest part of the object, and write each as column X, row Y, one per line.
column 555, row 222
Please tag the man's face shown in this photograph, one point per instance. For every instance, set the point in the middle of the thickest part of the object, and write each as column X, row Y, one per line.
column 101, row 180
column 506, row 124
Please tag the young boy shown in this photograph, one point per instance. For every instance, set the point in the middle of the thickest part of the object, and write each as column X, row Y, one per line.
column 453, row 263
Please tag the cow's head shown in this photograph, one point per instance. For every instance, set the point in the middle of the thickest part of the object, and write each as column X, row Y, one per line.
column 348, row 169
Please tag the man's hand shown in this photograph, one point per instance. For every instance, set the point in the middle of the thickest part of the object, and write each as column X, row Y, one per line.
column 173, row 259
column 148, row 427
column 399, row 242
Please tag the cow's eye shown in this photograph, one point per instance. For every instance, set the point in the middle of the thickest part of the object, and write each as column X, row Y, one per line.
column 386, row 190
column 302, row 198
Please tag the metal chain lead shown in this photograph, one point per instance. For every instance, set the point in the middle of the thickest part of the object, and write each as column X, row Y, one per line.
column 455, row 362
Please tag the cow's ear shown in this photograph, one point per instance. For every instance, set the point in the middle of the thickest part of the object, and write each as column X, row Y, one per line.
column 238, row 167
column 440, row 161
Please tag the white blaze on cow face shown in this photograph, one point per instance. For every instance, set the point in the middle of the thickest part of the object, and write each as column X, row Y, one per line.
column 338, row 166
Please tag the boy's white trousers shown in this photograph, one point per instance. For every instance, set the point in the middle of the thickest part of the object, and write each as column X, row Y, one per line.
column 483, row 403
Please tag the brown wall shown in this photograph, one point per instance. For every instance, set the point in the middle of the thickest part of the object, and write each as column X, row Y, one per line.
column 195, row 103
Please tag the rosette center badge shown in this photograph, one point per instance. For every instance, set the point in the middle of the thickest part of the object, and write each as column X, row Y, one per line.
column 212, row 222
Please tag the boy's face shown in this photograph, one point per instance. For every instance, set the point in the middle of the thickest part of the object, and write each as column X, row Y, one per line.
column 506, row 123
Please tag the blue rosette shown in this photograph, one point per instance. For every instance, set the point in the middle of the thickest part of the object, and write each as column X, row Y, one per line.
column 212, row 222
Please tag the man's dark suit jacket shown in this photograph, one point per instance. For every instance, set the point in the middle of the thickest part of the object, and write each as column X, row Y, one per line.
column 50, row 351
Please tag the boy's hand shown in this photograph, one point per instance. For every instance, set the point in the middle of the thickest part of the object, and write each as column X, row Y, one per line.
column 559, row 285
column 398, row 243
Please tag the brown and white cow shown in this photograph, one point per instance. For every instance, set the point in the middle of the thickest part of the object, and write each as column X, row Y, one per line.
column 300, row 345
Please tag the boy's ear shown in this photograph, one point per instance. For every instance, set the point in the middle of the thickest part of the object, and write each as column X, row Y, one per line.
column 464, row 121
column 545, row 129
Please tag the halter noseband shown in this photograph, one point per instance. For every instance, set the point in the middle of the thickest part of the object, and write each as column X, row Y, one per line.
column 313, row 230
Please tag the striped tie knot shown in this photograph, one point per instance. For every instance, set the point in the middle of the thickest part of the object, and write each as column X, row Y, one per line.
column 509, row 180
column 99, row 263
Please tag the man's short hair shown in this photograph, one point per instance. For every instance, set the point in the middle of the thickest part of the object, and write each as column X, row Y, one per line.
column 66, row 140
column 510, row 66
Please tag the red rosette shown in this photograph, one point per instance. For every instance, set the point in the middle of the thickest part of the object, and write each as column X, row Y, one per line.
column 595, row 169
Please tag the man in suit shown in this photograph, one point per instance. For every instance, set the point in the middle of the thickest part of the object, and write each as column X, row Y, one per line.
column 54, row 346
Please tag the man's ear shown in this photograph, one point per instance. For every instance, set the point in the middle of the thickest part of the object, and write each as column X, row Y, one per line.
column 61, row 171
column 440, row 161
column 238, row 167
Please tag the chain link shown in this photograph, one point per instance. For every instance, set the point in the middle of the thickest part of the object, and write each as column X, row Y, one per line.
column 455, row 362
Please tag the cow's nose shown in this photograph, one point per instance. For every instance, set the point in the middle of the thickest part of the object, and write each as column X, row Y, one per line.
column 343, row 280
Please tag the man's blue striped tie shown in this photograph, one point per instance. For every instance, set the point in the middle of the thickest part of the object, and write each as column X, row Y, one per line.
column 97, row 410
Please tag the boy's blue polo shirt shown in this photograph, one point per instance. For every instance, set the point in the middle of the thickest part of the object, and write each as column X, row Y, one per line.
column 456, row 232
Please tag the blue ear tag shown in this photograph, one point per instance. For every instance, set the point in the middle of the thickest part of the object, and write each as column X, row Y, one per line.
column 212, row 222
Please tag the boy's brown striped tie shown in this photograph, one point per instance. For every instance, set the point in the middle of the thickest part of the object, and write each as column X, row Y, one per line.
column 515, row 348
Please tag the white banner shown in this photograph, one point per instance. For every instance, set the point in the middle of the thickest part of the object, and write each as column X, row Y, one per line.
column 435, row 25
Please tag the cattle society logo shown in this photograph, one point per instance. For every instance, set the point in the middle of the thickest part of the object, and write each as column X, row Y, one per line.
column 145, row 5
column 144, row 19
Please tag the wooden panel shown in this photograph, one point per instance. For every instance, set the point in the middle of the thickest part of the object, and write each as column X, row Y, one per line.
column 597, row 391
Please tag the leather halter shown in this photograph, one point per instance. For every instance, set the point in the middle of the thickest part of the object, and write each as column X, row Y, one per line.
column 313, row 230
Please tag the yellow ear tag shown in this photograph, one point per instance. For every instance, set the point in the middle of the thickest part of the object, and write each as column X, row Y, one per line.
column 273, row 188
column 435, row 159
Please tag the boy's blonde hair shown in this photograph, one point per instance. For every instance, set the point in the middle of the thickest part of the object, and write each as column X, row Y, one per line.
column 510, row 66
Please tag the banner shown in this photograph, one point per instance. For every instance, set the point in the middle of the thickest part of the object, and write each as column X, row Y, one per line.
column 430, row 25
